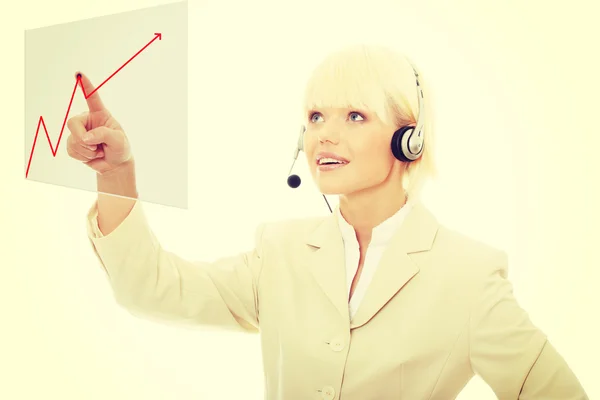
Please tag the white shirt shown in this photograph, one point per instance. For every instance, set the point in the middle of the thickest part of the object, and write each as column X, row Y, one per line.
column 380, row 238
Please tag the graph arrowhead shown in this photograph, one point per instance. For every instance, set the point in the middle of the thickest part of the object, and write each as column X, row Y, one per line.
column 159, row 35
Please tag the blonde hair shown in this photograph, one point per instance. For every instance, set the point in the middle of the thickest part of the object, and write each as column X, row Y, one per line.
column 382, row 81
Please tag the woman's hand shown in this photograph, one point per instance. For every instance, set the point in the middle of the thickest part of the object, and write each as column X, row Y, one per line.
column 96, row 138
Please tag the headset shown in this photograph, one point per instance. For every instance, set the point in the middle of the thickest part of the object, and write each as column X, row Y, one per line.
column 407, row 142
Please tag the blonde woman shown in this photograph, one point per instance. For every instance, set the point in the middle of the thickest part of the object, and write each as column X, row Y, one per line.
column 376, row 301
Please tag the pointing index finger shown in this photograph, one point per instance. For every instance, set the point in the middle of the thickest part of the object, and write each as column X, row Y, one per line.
column 91, row 94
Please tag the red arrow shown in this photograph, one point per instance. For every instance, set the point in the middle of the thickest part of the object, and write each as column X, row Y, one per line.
column 86, row 95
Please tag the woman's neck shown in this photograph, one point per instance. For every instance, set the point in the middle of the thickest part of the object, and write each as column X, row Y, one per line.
column 367, row 209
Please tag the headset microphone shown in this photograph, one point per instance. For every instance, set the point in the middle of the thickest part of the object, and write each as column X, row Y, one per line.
column 294, row 181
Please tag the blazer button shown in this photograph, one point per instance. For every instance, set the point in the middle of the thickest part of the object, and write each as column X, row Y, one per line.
column 337, row 344
column 328, row 393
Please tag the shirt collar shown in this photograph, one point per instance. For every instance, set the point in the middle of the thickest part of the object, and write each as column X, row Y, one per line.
column 382, row 233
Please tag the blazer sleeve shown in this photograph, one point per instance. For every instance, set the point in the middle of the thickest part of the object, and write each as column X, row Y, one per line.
column 153, row 283
column 508, row 351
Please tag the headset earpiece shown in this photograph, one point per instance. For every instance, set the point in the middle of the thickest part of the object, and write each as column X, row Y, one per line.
column 407, row 144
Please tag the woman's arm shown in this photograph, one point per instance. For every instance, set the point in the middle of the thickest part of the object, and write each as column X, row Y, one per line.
column 152, row 282
column 146, row 278
column 551, row 376
column 508, row 351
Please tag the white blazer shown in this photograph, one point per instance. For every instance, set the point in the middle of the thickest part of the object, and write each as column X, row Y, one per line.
column 438, row 310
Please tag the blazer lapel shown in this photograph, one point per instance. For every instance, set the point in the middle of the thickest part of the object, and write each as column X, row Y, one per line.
column 396, row 268
column 327, row 263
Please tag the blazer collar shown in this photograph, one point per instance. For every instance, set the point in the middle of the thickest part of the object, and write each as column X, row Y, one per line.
column 395, row 270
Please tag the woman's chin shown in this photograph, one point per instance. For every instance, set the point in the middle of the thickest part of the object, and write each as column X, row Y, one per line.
column 333, row 187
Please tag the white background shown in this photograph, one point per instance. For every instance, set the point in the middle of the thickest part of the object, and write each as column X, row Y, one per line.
column 515, row 94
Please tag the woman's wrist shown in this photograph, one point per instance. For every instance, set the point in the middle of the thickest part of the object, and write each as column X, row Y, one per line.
column 120, row 181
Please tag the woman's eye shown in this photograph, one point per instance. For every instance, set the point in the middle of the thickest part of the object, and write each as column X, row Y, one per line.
column 314, row 117
column 354, row 116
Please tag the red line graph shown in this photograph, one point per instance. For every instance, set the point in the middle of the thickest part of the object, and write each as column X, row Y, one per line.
column 41, row 122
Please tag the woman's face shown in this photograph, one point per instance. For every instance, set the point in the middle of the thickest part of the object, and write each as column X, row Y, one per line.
column 361, row 140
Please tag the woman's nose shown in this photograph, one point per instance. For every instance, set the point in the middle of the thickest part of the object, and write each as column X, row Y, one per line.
column 329, row 134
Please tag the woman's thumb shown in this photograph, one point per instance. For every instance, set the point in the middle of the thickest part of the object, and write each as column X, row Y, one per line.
column 103, row 134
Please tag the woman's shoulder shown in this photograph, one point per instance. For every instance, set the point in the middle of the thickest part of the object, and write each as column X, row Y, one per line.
column 458, row 251
column 457, row 241
column 447, row 241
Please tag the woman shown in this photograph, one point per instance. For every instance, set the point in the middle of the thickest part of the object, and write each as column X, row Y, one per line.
column 414, row 317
